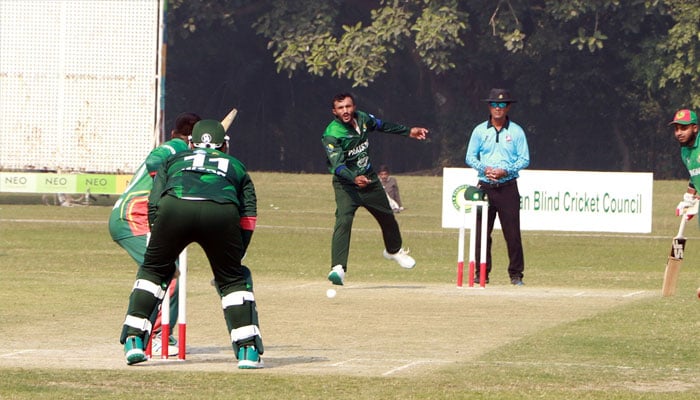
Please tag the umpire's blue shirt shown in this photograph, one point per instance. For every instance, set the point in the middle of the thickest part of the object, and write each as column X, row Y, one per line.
column 506, row 149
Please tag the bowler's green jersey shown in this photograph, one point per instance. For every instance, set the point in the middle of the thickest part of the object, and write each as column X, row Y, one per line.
column 347, row 149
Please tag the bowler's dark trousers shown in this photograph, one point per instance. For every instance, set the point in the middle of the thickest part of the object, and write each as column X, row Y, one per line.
column 348, row 198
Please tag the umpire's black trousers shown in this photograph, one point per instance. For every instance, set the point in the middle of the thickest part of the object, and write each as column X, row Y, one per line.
column 504, row 200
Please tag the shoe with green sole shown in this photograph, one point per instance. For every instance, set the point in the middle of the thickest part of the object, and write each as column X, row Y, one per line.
column 133, row 350
column 248, row 358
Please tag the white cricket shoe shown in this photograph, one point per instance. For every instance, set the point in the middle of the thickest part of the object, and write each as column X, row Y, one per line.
column 337, row 275
column 157, row 346
column 401, row 257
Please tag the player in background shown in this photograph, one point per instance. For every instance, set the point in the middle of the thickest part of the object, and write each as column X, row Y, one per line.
column 128, row 221
column 685, row 130
column 201, row 195
column 391, row 187
column 346, row 141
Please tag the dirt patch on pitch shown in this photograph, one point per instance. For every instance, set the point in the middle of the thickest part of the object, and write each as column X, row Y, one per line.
column 367, row 329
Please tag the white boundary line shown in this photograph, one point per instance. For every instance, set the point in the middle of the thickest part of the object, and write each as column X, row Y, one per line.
column 403, row 367
column 18, row 353
column 341, row 363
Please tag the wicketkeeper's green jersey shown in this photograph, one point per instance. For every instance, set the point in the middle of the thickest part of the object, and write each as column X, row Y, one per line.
column 205, row 174
column 129, row 217
column 347, row 149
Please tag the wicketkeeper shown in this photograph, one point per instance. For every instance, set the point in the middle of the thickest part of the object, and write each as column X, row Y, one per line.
column 201, row 195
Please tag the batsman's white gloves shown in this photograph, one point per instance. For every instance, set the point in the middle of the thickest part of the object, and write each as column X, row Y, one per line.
column 689, row 206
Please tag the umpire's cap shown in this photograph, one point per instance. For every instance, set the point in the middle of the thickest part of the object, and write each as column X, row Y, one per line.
column 500, row 95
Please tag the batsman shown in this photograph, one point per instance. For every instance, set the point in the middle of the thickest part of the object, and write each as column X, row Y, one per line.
column 206, row 196
column 128, row 220
column 685, row 130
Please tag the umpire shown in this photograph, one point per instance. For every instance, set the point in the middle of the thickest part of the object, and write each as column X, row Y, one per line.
column 498, row 150
column 201, row 195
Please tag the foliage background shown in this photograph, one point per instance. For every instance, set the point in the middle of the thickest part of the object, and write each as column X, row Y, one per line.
column 596, row 81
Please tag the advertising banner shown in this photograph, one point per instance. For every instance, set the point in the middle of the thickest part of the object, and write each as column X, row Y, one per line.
column 584, row 201
column 24, row 182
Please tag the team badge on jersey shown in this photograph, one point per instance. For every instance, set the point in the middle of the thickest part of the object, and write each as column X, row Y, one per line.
column 363, row 162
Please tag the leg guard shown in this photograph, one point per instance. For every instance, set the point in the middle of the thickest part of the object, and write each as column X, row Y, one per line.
column 241, row 317
column 144, row 301
column 174, row 308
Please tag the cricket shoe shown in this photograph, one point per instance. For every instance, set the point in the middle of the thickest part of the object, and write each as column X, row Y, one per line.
column 516, row 282
column 401, row 257
column 133, row 350
column 249, row 358
column 157, row 346
column 337, row 275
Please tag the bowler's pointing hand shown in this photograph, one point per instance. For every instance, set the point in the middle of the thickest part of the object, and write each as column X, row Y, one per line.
column 418, row 133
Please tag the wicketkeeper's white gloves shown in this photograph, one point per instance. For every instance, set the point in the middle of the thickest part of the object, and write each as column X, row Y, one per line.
column 689, row 206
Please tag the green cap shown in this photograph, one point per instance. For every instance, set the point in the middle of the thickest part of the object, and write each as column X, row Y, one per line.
column 208, row 133
column 684, row 117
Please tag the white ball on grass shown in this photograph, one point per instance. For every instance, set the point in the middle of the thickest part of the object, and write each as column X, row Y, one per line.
column 330, row 293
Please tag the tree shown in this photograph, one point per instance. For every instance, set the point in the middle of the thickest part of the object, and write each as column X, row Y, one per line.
column 300, row 39
column 597, row 79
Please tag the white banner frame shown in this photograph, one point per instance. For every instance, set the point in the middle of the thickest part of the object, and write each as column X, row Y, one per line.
column 579, row 201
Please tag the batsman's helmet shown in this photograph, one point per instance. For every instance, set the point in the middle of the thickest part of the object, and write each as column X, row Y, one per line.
column 208, row 134
column 473, row 193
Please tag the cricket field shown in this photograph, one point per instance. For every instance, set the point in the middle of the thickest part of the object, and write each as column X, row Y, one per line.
column 590, row 322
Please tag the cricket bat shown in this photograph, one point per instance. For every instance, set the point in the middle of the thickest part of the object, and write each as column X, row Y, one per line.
column 228, row 119
column 675, row 259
